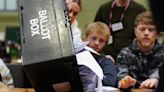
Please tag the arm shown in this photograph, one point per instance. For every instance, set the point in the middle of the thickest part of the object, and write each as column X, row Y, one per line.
column 125, row 80
column 110, row 57
column 122, row 64
column 99, row 13
column 109, row 70
column 153, row 80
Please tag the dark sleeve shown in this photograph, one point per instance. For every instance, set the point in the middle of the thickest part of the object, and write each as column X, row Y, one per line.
column 122, row 63
column 99, row 13
column 160, row 87
column 109, row 70
column 140, row 8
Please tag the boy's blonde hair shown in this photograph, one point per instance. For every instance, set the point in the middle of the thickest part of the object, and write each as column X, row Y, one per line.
column 98, row 27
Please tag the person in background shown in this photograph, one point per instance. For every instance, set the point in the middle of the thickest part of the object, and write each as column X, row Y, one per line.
column 119, row 15
column 138, row 64
column 74, row 7
column 5, row 75
column 97, row 34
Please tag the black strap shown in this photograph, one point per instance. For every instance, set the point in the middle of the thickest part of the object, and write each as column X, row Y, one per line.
column 0, row 77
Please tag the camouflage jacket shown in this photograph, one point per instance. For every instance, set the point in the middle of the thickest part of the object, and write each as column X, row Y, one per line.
column 131, row 61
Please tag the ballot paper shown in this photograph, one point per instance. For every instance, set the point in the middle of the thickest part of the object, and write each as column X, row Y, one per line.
column 108, row 89
column 86, row 58
column 79, row 46
column 99, row 86
column 91, row 50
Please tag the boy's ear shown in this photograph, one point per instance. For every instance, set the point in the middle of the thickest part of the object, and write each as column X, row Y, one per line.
column 135, row 30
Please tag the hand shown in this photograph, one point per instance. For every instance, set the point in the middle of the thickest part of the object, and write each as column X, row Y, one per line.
column 126, row 82
column 110, row 57
column 73, row 10
column 149, row 83
column 74, row 7
column 2, row 85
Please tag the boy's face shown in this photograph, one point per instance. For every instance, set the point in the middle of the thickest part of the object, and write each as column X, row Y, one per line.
column 96, row 41
column 146, row 35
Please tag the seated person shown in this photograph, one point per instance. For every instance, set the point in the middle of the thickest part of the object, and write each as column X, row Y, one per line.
column 6, row 77
column 138, row 64
column 97, row 34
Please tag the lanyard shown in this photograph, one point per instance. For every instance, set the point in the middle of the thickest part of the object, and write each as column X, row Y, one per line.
column 122, row 14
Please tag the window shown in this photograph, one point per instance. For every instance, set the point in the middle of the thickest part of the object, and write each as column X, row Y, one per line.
column 8, row 5
column 2, row 4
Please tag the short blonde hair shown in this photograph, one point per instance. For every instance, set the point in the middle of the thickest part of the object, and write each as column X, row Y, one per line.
column 98, row 27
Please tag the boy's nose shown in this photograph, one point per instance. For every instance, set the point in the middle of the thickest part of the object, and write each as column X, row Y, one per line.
column 146, row 32
column 97, row 41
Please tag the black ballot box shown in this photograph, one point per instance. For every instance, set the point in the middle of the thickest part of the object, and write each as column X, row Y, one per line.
column 47, row 48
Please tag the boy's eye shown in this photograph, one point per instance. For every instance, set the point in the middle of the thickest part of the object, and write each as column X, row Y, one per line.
column 101, row 41
column 152, row 29
column 142, row 29
column 93, row 38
